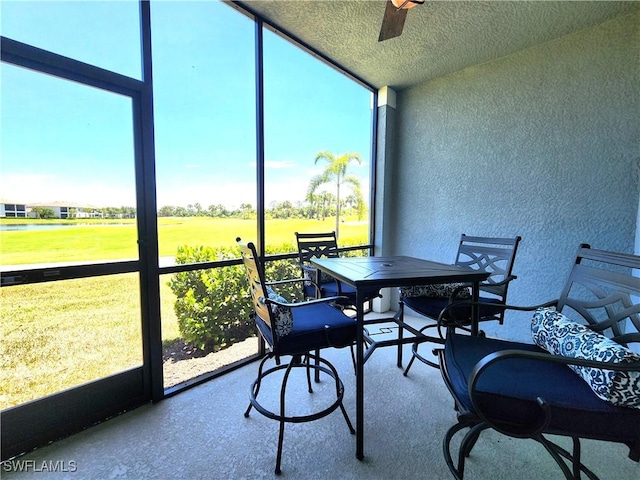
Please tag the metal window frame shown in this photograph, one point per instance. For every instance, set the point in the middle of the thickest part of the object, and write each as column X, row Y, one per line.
column 32, row 424
column 143, row 383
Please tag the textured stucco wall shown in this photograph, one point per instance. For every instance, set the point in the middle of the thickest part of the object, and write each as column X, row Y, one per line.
column 543, row 143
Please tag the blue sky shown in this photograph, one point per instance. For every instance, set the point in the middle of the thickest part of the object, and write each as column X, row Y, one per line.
column 63, row 141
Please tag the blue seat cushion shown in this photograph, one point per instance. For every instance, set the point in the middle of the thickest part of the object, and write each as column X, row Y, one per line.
column 314, row 326
column 508, row 390
column 330, row 289
column 431, row 307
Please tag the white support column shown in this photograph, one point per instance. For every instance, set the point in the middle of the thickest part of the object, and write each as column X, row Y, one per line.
column 386, row 147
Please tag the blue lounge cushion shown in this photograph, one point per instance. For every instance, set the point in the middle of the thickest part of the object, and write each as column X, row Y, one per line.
column 313, row 326
column 507, row 391
column 555, row 333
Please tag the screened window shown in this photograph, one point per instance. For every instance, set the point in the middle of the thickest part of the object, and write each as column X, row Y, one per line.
column 82, row 30
column 86, row 188
column 67, row 148
column 204, row 105
column 312, row 111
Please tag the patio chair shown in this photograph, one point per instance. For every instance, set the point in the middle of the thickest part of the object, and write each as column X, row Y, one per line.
column 577, row 380
column 319, row 284
column 493, row 254
column 316, row 245
column 294, row 330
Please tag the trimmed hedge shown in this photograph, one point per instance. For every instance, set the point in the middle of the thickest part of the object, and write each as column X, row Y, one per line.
column 213, row 306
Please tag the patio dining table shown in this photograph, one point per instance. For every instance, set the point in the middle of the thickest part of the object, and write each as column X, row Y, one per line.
column 368, row 275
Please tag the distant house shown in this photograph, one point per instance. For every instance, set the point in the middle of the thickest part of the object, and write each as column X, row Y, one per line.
column 66, row 210
column 10, row 209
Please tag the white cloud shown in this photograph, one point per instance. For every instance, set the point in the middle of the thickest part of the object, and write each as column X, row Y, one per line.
column 42, row 188
column 279, row 164
column 228, row 194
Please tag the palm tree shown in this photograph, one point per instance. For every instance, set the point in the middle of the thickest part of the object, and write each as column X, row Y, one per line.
column 335, row 172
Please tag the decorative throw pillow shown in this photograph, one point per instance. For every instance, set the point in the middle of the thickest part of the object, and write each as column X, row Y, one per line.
column 436, row 290
column 281, row 314
column 555, row 333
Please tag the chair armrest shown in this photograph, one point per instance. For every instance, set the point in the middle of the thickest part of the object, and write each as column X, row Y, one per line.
column 309, row 302
column 504, row 281
column 501, row 283
column 443, row 321
column 446, row 322
column 295, row 280
column 497, row 287
column 538, row 425
column 288, row 280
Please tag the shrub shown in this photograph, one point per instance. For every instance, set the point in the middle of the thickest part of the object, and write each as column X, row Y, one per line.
column 213, row 306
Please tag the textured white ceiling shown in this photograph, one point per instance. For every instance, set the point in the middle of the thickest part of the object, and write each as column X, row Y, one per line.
column 440, row 37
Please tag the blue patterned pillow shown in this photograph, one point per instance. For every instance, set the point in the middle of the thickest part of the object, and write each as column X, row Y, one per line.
column 555, row 333
column 281, row 314
column 436, row 290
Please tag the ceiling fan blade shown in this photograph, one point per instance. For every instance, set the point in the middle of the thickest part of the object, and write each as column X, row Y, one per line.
column 392, row 22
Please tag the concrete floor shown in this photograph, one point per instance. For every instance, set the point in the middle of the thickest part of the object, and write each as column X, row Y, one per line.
column 202, row 434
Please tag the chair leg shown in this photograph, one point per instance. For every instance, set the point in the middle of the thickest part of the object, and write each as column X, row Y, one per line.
column 317, row 362
column 353, row 359
column 553, row 451
column 413, row 357
column 415, row 354
column 278, row 470
column 577, row 462
column 308, row 369
column 573, row 457
column 456, row 470
column 576, row 457
column 283, row 391
column 346, row 417
column 467, row 444
column 471, row 438
column 297, row 361
column 399, row 318
column 256, row 386
column 340, row 394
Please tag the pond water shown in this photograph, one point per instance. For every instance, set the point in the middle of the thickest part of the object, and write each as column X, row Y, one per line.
column 53, row 226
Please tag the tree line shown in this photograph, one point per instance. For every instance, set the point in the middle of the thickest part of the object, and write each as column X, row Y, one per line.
column 92, row 212
column 323, row 207
column 320, row 203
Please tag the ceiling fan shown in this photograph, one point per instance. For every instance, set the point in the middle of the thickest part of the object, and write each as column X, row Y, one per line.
column 394, row 17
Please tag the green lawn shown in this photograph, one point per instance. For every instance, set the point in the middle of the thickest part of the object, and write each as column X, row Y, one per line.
column 117, row 240
column 58, row 335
